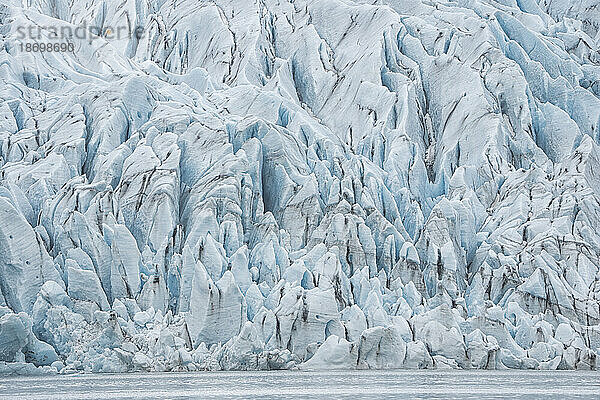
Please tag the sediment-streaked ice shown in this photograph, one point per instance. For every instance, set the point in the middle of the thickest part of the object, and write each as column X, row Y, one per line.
column 301, row 184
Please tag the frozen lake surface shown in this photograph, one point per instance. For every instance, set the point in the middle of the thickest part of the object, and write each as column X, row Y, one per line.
column 299, row 385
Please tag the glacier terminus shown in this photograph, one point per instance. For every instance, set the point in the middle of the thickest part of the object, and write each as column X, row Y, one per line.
column 299, row 184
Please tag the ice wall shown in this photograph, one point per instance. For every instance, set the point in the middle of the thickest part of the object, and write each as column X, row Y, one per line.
column 301, row 184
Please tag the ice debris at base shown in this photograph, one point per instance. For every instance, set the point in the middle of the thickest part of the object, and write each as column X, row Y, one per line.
column 301, row 184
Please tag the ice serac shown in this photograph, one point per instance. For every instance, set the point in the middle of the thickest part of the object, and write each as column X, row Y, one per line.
column 300, row 184
column 24, row 263
column 19, row 344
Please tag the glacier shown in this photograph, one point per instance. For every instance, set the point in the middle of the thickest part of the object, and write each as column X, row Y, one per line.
column 300, row 184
